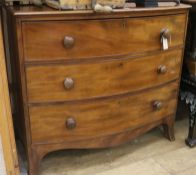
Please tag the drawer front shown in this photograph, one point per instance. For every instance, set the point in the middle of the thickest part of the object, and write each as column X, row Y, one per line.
column 85, row 120
column 56, row 40
column 79, row 81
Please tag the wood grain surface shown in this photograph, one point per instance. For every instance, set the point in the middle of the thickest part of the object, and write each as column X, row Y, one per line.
column 6, row 123
column 101, row 117
column 107, row 78
column 99, row 38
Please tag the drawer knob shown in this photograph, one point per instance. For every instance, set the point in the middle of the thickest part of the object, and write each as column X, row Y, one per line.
column 70, row 123
column 157, row 105
column 162, row 69
column 166, row 33
column 68, row 83
column 68, row 42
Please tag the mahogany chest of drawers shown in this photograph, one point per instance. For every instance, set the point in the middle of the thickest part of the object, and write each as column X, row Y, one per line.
column 88, row 80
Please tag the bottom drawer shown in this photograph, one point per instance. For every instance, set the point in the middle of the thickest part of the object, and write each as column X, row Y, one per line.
column 101, row 117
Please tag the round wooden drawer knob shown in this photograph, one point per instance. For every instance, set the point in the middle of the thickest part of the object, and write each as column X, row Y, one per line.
column 68, row 42
column 157, row 105
column 68, row 83
column 162, row 69
column 166, row 33
column 70, row 123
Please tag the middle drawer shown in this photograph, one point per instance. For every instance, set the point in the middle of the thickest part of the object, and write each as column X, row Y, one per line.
column 49, row 83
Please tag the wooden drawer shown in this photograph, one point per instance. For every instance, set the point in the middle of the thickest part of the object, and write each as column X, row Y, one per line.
column 46, row 83
column 44, row 40
column 101, row 117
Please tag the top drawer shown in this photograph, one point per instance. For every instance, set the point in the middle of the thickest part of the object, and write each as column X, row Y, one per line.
column 98, row 38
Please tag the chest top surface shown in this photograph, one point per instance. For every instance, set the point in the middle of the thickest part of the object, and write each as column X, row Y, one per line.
column 33, row 12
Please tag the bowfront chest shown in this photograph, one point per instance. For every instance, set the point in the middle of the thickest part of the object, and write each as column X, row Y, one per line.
column 90, row 80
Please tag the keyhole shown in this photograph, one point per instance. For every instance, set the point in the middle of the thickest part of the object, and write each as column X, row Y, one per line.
column 124, row 24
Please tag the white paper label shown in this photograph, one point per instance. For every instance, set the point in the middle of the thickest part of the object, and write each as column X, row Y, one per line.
column 165, row 43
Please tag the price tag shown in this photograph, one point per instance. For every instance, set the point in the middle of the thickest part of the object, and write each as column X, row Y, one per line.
column 165, row 43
